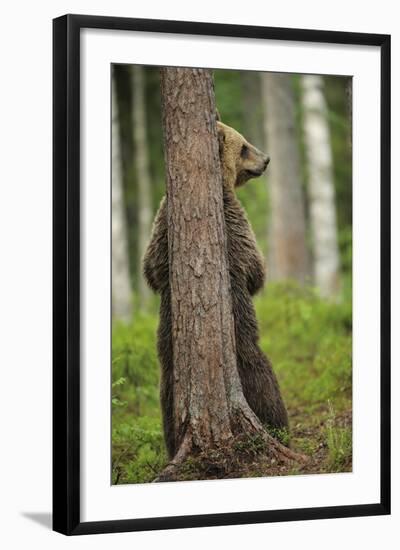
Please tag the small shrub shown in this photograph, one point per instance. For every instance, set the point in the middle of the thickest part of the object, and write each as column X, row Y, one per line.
column 250, row 445
column 134, row 359
column 116, row 401
column 281, row 434
column 138, row 451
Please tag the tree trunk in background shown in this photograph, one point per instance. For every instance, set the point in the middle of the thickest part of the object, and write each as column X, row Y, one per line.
column 349, row 102
column 321, row 189
column 209, row 406
column 144, row 199
column 251, row 105
column 288, row 254
column 121, row 287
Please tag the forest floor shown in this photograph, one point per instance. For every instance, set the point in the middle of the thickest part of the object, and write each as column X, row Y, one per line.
column 309, row 342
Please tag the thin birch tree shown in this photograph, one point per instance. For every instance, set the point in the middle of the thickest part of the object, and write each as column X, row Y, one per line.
column 141, row 162
column 321, row 188
column 121, row 286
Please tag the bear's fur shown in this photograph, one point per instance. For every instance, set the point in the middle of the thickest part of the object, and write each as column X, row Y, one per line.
column 240, row 161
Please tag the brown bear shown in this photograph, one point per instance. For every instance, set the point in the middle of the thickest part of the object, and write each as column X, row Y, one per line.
column 240, row 161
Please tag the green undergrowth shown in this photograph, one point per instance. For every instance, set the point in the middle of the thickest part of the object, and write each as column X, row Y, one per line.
column 309, row 343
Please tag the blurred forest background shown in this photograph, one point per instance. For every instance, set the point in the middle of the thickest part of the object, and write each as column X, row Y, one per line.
column 301, row 213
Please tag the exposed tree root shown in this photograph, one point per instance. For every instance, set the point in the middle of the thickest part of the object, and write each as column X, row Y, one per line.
column 282, row 453
column 172, row 469
column 244, row 456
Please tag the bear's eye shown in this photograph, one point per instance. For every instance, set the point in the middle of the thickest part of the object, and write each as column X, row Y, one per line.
column 244, row 151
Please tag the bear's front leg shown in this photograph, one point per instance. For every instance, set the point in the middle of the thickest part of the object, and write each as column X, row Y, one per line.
column 155, row 261
column 255, row 273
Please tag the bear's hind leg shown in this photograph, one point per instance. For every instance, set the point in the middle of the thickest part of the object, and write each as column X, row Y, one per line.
column 164, row 346
column 166, row 398
column 261, row 389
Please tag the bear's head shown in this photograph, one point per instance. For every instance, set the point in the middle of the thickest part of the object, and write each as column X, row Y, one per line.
column 240, row 161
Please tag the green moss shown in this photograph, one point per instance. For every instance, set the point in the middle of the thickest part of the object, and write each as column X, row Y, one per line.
column 250, row 445
column 281, row 434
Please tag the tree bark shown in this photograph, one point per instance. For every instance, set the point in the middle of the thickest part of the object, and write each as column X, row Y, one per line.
column 209, row 406
column 288, row 254
column 121, row 286
column 321, row 188
column 144, row 203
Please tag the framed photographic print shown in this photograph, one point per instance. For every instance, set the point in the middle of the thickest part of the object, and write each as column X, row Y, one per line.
column 221, row 274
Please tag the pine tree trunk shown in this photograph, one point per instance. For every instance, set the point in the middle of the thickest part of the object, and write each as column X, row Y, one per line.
column 321, row 189
column 144, row 203
column 209, row 406
column 288, row 254
column 121, row 287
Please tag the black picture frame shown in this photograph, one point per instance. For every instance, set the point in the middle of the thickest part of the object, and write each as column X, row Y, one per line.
column 66, row 273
